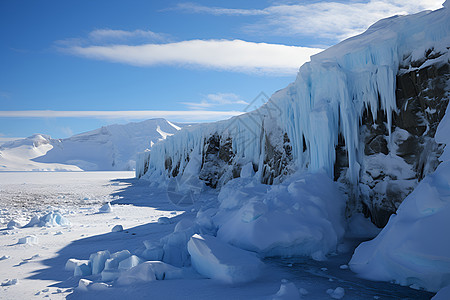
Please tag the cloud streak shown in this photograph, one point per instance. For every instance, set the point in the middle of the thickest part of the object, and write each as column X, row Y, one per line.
column 329, row 20
column 229, row 55
column 180, row 115
column 214, row 100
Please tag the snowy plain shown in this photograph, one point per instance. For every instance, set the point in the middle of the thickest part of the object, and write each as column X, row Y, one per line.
column 34, row 271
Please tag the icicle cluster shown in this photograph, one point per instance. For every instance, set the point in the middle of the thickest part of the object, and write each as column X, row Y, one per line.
column 326, row 100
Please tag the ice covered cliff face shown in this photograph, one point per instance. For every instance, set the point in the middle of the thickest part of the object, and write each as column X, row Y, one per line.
column 363, row 111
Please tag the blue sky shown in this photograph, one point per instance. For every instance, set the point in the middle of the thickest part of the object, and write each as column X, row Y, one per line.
column 62, row 61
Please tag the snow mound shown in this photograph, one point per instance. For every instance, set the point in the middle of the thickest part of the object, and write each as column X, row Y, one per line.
column 443, row 294
column 302, row 216
column 337, row 293
column 9, row 282
column 117, row 228
column 287, row 291
column 413, row 248
column 359, row 226
column 51, row 219
column 216, row 259
column 106, row 208
column 28, row 240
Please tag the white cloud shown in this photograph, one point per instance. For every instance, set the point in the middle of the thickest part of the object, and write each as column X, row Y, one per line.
column 214, row 100
column 180, row 115
column 325, row 19
column 231, row 55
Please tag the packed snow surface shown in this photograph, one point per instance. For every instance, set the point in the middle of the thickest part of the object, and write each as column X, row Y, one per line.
column 59, row 266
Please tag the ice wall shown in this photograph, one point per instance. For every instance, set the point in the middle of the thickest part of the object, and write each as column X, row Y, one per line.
column 326, row 100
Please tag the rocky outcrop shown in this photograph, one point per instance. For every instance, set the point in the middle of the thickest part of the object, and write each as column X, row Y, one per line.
column 395, row 163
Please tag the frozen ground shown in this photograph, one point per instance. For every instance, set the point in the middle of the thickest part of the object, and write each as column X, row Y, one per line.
column 39, row 268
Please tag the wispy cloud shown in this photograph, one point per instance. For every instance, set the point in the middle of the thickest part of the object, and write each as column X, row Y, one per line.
column 107, row 36
column 330, row 20
column 230, row 55
column 216, row 100
column 196, row 8
column 180, row 115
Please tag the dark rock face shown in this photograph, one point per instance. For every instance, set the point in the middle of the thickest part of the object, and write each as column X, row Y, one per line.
column 216, row 158
column 422, row 100
column 276, row 160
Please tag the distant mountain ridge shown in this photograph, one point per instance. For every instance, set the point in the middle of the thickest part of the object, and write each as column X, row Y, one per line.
column 112, row 147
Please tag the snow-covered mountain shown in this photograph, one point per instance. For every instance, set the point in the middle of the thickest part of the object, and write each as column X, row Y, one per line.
column 112, row 147
column 18, row 155
column 370, row 113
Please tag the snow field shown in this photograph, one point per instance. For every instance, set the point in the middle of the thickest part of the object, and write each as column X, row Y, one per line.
column 22, row 266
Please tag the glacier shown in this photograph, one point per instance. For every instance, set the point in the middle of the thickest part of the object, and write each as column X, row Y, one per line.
column 326, row 102
column 294, row 138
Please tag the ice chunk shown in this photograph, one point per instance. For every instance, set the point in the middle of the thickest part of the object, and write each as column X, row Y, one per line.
column 116, row 258
column 287, row 291
column 149, row 271
column 130, row 262
column 337, row 293
column 138, row 274
column 53, row 218
column 72, row 263
column 110, row 275
column 5, row 257
column 83, row 285
column 247, row 171
column 117, row 228
column 9, row 282
column 153, row 251
column 30, row 240
column 84, row 269
column 111, row 272
column 97, row 261
column 106, row 208
column 216, row 259
column 98, row 286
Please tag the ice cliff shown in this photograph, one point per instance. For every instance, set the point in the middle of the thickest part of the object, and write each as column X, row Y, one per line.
column 365, row 111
